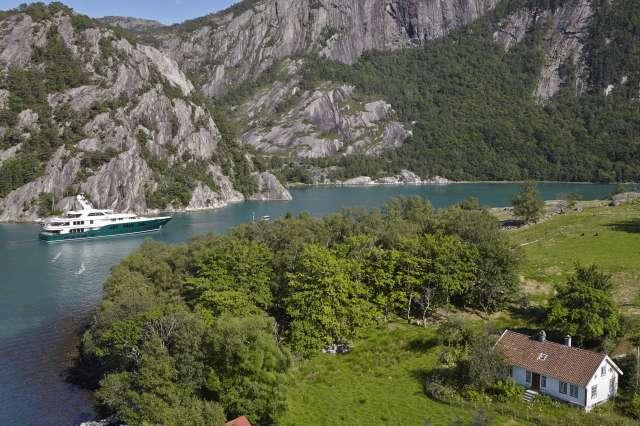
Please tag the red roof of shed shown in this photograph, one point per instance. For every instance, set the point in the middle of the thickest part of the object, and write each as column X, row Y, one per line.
column 240, row 421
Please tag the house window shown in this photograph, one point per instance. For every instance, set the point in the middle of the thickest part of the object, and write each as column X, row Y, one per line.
column 612, row 385
column 528, row 376
column 573, row 391
column 562, row 387
column 543, row 381
column 603, row 370
column 594, row 391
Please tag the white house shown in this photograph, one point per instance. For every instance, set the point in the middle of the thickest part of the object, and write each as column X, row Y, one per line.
column 570, row 374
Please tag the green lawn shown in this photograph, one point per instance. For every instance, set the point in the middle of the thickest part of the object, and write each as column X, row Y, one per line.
column 380, row 383
column 606, row 236
column 376, row 384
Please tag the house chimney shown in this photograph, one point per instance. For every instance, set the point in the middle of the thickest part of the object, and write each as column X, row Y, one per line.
column 542, row 336
column 567, row 340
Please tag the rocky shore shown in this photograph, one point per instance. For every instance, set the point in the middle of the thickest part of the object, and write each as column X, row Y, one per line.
column 405, row 177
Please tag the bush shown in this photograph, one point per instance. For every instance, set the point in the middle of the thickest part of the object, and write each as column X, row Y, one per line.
column 506, row 390
column 545, row 401
column 474, row 395
column 441, row 392
column 632, row 406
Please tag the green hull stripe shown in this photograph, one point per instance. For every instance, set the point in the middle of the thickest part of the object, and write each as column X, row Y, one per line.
column 111, row 230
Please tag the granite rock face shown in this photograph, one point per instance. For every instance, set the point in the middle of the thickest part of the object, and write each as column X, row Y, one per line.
column 232, row 46
column 319, row 123
column 130, row 23
column 204, row 198
column 567, row 28
column 137, row 119
column 269, row 188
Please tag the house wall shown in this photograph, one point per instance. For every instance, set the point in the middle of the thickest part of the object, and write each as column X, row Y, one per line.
column 603, row 392
column 552, row 389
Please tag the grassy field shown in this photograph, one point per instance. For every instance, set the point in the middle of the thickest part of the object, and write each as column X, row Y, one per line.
column 381, row 381
column 606, row 236
column 376, row 384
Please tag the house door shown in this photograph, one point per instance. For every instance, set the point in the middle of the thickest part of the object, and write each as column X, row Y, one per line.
column 535, row 381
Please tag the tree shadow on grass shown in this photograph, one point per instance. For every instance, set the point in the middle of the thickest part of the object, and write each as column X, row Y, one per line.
column 533, row 315
column 421, row 344
column 631, row 226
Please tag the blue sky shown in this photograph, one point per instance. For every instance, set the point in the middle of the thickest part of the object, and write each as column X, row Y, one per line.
column 165, row 11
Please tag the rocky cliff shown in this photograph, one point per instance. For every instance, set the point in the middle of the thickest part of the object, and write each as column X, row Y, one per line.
column 566, row 30
column 130, row 23
column 239, row 44
column 126, row 132
column 285, row 119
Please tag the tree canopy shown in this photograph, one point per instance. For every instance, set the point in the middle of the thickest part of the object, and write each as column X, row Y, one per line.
column 584, row 308
column 206, row 329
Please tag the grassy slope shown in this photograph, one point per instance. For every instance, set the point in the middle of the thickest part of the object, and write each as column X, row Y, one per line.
column 375, row 384
column 606, row 236
column 379, row 382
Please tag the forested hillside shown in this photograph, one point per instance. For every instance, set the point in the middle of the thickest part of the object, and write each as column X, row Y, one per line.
column 469, row 90
column 473, row 108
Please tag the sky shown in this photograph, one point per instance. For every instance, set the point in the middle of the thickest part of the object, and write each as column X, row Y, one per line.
column 165, row 11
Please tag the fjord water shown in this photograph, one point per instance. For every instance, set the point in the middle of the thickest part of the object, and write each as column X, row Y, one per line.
column 49, row 291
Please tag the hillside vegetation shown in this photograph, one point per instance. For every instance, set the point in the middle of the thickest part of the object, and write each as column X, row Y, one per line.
column 235, row 325
column 213, row 326
column 474, row 111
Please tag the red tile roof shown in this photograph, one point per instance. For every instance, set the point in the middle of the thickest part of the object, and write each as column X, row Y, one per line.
column 566, row 363
column 240, row 421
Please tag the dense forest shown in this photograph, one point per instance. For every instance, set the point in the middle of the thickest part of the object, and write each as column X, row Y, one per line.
column 474, row 113
column 210, row 328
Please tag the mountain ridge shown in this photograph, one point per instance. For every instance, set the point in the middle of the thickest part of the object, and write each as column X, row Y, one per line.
column 470, row 89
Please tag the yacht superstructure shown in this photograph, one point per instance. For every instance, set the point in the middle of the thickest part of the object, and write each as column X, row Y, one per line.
column 95, row 223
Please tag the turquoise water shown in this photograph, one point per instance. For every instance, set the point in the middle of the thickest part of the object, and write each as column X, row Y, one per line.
column 48, row 291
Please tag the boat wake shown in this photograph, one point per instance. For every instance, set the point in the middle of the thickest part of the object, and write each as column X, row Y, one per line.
column 81, row 270
column 56, row 257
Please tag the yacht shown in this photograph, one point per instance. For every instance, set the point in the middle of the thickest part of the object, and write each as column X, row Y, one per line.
column 94, row 223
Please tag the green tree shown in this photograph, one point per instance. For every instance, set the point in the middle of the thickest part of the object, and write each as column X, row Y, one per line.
column 528, row 205
column 247, row 367
column 584, row 307
column 437, row 268
column 484, row 366
column 153, row 395
column 227, row 271
column 497, row 281
column 325, row 304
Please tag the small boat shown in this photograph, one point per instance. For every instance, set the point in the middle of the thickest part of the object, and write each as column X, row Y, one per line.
column 94, row 223
column 265, row 219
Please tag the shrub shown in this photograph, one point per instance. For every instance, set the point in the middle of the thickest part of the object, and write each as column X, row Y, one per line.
column 475, row 395
column 506, row 390
column 441, row 392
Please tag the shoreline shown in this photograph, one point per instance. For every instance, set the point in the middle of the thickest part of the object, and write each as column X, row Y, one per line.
column 297, row 185
column 372, row 184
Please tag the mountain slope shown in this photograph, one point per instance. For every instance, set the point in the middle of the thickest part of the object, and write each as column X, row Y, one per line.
column 535, row 89
column 241, row 43
column 85, row 109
